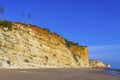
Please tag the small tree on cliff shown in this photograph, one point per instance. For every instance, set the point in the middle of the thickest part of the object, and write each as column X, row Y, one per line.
column 29, row 17
column 22, row 15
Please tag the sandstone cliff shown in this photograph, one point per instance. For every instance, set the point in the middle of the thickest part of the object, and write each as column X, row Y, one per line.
column 80, row 54
column 27, row 46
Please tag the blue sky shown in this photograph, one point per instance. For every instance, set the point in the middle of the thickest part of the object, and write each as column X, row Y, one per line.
column 95, row 23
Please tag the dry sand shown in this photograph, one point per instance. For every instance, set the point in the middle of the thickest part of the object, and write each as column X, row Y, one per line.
column 54, row 74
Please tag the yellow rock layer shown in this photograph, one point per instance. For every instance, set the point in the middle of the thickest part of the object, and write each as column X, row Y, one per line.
column 31, row 46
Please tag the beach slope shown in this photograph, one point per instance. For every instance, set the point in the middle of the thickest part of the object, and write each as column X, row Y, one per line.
column 55, row 74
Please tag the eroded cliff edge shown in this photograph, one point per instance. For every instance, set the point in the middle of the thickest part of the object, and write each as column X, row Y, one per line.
column 28, row 46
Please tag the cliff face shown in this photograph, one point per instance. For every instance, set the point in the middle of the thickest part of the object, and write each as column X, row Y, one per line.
column 29, row 46
column 80, row 54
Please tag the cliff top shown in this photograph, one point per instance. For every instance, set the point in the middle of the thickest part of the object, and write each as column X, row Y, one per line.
column 36, row 30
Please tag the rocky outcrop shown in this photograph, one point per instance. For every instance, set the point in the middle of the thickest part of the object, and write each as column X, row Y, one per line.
column 27, row 46
column 80, row 54
column 98, row 64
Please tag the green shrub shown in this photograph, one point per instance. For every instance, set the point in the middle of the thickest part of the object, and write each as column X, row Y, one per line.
column 70, row 43
column 46, row 30
column 5, row 23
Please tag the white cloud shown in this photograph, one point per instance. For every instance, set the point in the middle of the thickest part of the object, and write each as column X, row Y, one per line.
column 103, row 47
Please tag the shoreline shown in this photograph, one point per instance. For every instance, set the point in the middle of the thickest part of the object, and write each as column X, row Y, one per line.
column 113, row 72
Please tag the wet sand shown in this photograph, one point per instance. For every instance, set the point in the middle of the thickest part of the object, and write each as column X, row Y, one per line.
column 55, row 74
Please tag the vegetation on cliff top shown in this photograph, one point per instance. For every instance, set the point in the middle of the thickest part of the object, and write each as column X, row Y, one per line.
column 70, row 43
column 8, row 24
column 4, row 23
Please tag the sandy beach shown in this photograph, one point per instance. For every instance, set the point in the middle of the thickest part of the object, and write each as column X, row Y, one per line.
column 55, row 74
